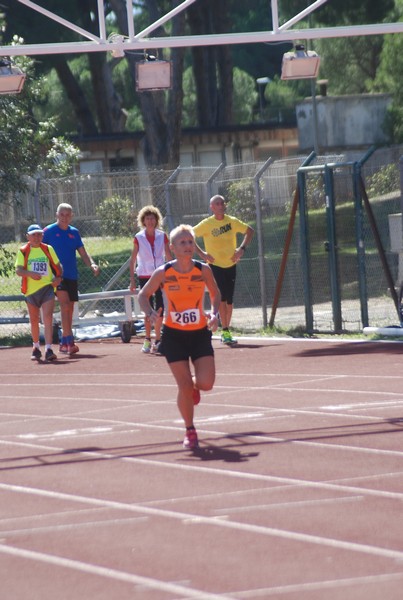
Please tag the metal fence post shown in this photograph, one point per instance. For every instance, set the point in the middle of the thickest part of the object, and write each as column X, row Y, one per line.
column 360, row 245
column 305, row 250
column 332, row 250
column 169, row 216
column 260, row 240
column 209, row 184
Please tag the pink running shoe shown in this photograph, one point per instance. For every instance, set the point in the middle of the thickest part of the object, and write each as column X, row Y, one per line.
column 72, row 349
column 63, row 348
column 196, row 396
column 191, row 442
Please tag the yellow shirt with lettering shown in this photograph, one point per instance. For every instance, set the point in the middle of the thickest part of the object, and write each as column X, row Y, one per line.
column 220, row 237
column 38, row 262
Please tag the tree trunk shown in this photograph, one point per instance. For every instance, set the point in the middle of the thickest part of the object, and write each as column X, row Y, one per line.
column 108, row 104
column 212, row 65
column 161, row 111
column 76, row 96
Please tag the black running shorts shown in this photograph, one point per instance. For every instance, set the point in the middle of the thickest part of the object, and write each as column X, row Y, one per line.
column 225, row 279
column 71, row 287
column 179, row 345
column 156, row 300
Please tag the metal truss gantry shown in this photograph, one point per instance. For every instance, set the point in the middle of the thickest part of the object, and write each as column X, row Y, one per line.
column 118, row 43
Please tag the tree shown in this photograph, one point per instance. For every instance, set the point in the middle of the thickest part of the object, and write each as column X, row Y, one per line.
column 212, row 65
column 27, row 147
column 389, row 80
column 350, row 64
column 259, row 60
column 245, row 98
column 36, row 28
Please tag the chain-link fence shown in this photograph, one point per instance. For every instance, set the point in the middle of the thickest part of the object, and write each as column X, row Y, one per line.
column 262, row 194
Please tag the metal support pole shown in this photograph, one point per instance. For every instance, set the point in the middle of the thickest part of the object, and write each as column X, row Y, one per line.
column 260, row 240
column 305, row 250
column 210, row 180
column 169, row 216
column 332, row 249
column 315, row 117
column 360, row 246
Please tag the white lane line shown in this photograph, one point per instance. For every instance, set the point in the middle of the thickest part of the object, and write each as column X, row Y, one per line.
column 70, row 526
column 217, row 521
column 135, row 426
column 114, row 574
column 280, row 505
column 229, row 417
column 360, row 405
column 221, row 374
column 334, row 584
column 64, row 433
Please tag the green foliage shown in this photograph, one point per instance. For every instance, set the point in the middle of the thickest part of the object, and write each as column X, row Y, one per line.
column 7, row 260
column 284, row 94
column 281, row 97
column 349, row 64
column 117, row 216
column 389, row 80
column 55, row 101
column 27, row 145
column 189, row 112
column 315, row 191
column 240, row 196
column 384, row 181
column 245, row 98
column 16, row 340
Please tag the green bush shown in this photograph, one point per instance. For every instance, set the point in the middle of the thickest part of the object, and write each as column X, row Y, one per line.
column 384, row 181
column 117, row 216
column 7, row 260
column 240, row 197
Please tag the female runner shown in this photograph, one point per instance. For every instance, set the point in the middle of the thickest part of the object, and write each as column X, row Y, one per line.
column 187, row 330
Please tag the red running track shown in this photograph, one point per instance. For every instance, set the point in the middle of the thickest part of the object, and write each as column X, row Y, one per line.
column 295, row 493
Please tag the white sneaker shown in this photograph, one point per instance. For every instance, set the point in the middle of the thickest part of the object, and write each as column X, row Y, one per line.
column 155, row 348
column 146, row 347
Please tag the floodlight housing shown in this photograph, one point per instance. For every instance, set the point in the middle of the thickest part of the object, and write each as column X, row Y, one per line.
column 300, row 64
column 11, row 78
column 153, row 75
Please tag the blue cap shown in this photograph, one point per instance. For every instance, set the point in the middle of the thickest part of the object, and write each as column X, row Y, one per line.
column 34, row 229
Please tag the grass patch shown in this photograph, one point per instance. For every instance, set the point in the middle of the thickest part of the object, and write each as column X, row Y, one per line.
column 16, row 340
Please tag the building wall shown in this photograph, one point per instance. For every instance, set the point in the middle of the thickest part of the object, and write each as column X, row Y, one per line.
column 343, row 121
column 198, row 148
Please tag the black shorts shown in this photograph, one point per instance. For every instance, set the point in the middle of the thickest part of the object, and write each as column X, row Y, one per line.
column 225, row 279
column 71, row 287
column 156, row 300
column 179, row 345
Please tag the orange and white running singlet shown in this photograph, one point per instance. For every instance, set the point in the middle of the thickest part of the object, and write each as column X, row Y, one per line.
column 183, row 298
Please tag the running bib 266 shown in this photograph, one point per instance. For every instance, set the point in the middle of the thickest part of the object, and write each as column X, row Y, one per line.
column 186, row 317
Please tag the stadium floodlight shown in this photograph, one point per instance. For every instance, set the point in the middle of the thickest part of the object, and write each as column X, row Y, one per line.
column 153, row 75
column 11, row 78
column 300, row 64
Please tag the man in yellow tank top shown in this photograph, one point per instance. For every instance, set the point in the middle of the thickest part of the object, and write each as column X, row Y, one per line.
column 219, row 233
column 187, row 329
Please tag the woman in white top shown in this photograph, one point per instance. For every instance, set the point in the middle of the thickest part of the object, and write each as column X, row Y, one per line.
column 150, row 250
